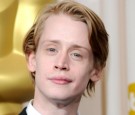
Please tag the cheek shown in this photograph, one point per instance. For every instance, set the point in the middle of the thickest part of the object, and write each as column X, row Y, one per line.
column 81, row 84
column 43, row 66
column 83, row 71
column 82, row 77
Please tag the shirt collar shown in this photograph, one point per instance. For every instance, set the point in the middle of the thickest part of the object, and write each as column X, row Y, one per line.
column 31, row 110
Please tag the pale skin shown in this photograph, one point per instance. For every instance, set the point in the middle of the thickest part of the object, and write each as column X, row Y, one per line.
column 63, row 64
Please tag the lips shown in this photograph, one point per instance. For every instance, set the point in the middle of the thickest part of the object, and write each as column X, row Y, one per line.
column 60, row 80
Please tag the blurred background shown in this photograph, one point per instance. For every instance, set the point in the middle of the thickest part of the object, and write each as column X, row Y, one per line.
column 115, row 93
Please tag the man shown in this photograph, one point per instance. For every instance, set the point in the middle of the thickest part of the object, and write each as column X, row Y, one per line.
column 66, row 51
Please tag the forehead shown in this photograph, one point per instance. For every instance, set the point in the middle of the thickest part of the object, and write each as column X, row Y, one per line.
column 65, row 30
column 63, row 22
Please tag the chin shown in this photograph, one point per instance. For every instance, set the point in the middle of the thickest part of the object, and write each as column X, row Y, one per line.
column 66, row 99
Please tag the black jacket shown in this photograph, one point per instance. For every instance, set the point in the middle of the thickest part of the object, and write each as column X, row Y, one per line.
column 23, row 112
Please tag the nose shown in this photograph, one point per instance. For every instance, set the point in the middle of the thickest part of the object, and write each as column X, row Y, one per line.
column 62, row 62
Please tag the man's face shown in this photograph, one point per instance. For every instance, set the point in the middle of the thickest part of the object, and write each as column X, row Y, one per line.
column 63, row 62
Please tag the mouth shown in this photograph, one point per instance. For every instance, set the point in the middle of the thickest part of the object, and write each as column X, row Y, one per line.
column 60, row 80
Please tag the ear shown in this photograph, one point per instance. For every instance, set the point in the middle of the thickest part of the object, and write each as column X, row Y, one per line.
column 96, row 75
column 31, row 63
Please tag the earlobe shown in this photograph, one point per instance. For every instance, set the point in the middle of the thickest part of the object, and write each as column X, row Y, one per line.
column 31, row 62
column 96, row 75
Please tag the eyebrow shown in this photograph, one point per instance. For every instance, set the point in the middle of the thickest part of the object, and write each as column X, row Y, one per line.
column 58, row 42
column 80, row 47
column 50, row 41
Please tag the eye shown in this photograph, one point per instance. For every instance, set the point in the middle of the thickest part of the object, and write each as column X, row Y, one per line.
column 76, row 56
column 51, row 51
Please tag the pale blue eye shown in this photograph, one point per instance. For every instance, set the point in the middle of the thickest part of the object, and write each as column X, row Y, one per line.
column 77, row 55
column 51, row 49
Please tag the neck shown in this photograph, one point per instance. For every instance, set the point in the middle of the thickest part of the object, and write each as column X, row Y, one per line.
column 57, row 107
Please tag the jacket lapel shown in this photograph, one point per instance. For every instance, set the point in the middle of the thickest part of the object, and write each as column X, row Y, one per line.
column 23, row 112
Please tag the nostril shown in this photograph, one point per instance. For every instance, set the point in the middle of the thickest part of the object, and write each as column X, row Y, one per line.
column 60, row 68
column 56, row 67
